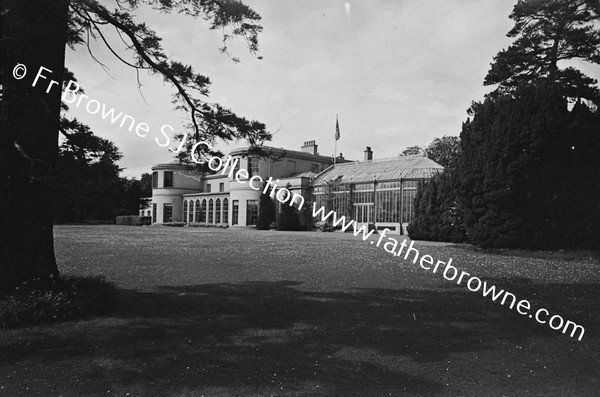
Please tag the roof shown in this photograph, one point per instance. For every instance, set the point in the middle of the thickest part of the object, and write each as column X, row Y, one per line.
column 401, row 167
column 305, row 174
column 285, row 153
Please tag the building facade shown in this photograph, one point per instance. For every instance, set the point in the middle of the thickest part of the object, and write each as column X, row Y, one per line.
column 181, row 193
column 380, row 193
column 374, row 192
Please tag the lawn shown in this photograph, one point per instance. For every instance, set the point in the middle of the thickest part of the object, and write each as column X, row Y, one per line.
column 243, row 312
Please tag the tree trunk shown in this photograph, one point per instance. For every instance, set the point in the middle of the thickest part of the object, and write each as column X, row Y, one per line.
column 33, row 33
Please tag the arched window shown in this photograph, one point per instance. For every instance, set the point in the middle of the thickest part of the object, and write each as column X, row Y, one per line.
column 218, row 211
column 225, row 211
column 197, row 211
column 210, row 211
column 203, row 212
column 191, row 214
column 185, row 210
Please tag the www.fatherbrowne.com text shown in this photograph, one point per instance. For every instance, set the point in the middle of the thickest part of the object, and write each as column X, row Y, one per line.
column 71, row 94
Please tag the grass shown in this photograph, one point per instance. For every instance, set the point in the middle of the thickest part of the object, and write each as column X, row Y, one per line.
column 244, row 312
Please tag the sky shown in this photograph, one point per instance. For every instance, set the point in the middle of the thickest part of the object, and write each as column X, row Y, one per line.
column 397, row 73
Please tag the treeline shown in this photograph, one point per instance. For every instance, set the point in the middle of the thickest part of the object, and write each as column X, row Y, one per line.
column 528, row 172
column 88, row 182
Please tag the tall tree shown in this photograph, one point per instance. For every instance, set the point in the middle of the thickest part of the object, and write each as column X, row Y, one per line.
column 34, row 34
column 547, row 32
column 444, row 150
column 412, row 150
column 266, row 211
column 146, row 181
column 87, row 184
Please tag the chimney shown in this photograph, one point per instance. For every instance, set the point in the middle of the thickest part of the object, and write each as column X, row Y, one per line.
column 368, row 154
column 341, row 157
column 310, row 147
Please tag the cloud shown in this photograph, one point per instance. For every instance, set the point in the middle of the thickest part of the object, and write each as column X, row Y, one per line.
column 400, row 74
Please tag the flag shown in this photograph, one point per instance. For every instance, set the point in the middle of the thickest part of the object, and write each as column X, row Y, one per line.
column 337, row 129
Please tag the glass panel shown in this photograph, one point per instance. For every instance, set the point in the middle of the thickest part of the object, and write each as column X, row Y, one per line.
column 167, row 212
column 197, row 211
column 251, row 212
column 218, row 211
column 210, row 211
column 253, row 166
column 225, row 211
column 168, row 179
column 408, row 209
column 203, row 212
column 235, row 212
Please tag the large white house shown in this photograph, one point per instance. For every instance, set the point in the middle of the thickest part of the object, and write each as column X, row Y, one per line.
column 377, row 192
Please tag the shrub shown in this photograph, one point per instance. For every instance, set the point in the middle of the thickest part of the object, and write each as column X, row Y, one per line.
column 288, row 218
column 173, row 224
column 56, row 299
column 204, row 224
column 133, row 220
column 438, row 213
column 266, row 212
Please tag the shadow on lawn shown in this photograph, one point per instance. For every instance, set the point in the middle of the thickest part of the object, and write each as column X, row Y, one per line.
column 270, row 337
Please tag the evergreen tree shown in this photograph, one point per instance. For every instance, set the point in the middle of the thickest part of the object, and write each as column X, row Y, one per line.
column 35, row 33
column 266, row 211
column 528, row 175
column 547, row 32
column 87, row 181
column 289, row 217
column 438, row 212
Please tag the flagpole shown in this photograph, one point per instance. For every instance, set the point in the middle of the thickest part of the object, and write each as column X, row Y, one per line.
column 335, row 140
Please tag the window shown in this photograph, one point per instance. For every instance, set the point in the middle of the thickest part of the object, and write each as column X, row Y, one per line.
column 168, row 179
column 208, row 188
column 191, row 218
column 221, row 187
column 210, row 211
column 167, row 212
column 408, row 209
column 291, row 166
column 363, row 213
column 155, row 180
column 153, row 212
column 314, row 168
column 197, row 212
column 203, row 213
column 225, row 211
column 251, row 212
column 218, row 211
column 388, row 206
column 185, row 210
column 237, row 166
column 253, row 167
column 235, row 212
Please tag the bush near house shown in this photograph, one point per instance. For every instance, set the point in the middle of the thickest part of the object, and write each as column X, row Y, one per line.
column 288, row 218
column 438, row 213
column 133, row 220
column 266, row 211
